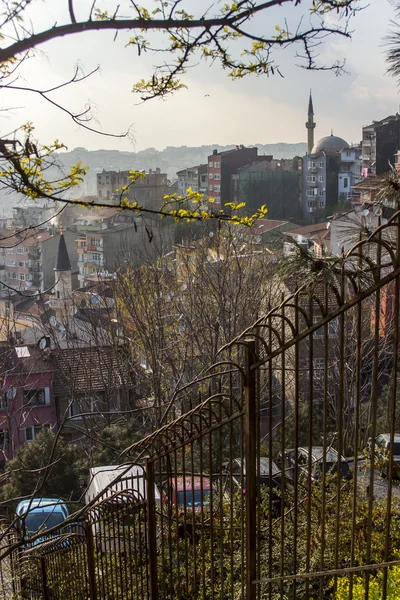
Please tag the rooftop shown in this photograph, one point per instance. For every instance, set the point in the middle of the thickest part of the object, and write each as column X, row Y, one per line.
column 331, row 144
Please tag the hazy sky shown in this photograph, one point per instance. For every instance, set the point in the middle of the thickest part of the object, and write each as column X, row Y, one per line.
column 254, row 110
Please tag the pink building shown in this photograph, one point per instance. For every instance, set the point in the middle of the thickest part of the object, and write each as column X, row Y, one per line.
column 21, row 256
column 27, row 400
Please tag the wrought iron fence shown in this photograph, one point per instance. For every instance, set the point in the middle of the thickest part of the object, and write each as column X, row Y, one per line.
column 269, row 484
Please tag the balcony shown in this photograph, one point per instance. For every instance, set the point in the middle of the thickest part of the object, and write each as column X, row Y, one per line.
column 93, row 248
column 34, row 254
column 35, row 269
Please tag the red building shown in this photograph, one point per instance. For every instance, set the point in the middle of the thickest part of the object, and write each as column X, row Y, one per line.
column 221, row 167
column 27, row 399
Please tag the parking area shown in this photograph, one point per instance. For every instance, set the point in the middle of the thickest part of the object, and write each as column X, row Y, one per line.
column 381, row 484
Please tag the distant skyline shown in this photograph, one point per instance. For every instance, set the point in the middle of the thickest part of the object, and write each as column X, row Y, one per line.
column 213, row 109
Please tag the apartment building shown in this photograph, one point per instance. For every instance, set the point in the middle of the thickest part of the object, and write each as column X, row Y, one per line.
column 380, row 144
column 221, row 167
column 21, row 255
column 148, row 191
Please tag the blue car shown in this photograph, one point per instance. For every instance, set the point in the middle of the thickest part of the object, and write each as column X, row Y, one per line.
column 39, row 514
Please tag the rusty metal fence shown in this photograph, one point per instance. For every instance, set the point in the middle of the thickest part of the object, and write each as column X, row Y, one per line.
column 277, row 478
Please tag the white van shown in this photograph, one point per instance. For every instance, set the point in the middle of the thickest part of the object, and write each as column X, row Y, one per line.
column 114, row 511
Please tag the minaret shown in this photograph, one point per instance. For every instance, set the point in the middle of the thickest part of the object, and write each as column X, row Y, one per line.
column 310, row 126
column 62, row 274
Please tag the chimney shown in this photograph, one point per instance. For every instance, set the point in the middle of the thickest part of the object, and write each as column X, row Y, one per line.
column 215, row 152
column 158, row 170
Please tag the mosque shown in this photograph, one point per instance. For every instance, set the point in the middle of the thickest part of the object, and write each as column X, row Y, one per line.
column 327, row 171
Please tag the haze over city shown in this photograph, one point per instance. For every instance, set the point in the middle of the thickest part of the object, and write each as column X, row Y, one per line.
column 213, row 109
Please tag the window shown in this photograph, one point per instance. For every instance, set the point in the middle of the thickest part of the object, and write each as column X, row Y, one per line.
column 321, row 178
column 318, row 333
column 319, row 364
column 311, row 164
column 32, row 432
column 81, row 407
column 311, row 178
column 97, row 257
column 321, row 164
column 216, row 165
column 321, row 205
column 22, row 276
column 217, row 188
column 321, row 191
column 217, row 199
column 210, row 187
column 217, row 176
column 346, row 182
column 10, row 250
column 211, row 164
column 37, row 397
column 333, row 327
column 211, row 176
column 310, row 192
column 95, row 242
column 310, row 203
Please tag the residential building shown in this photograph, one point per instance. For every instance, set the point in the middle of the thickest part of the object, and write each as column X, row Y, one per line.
column 380, row 144
column 21, row 254
column 268, row 232
column 92, row 385
column 275, row 183
column 221, row 167
column 112, row 244
column 148, row 190
column 368, row 189
column 35, row 215
column 27, row 400
column 349, row 172
column 189, row 178
column 314, row 238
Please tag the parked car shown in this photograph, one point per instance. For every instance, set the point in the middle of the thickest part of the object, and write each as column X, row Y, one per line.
column 187, row 491
column 234, row 479
column 331, row 460
column 382, row 448
column 40, row 514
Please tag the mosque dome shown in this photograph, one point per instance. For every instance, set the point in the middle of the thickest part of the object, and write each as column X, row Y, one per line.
column 331, row 144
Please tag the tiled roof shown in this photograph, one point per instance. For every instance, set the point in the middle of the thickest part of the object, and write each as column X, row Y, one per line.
column 308, row 230
column 93, row 369
column 264, row 225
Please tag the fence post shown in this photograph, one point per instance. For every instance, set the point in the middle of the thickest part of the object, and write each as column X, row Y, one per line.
column 91, row 565
column 44, row 579
column 151, row 529
column 250, row 433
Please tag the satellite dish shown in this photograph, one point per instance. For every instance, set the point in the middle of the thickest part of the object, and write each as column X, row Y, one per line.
column 365, row 212
column 44, row 342
column 384, row 221
column 11, row 393
column 211, row 234
column 378, row 211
